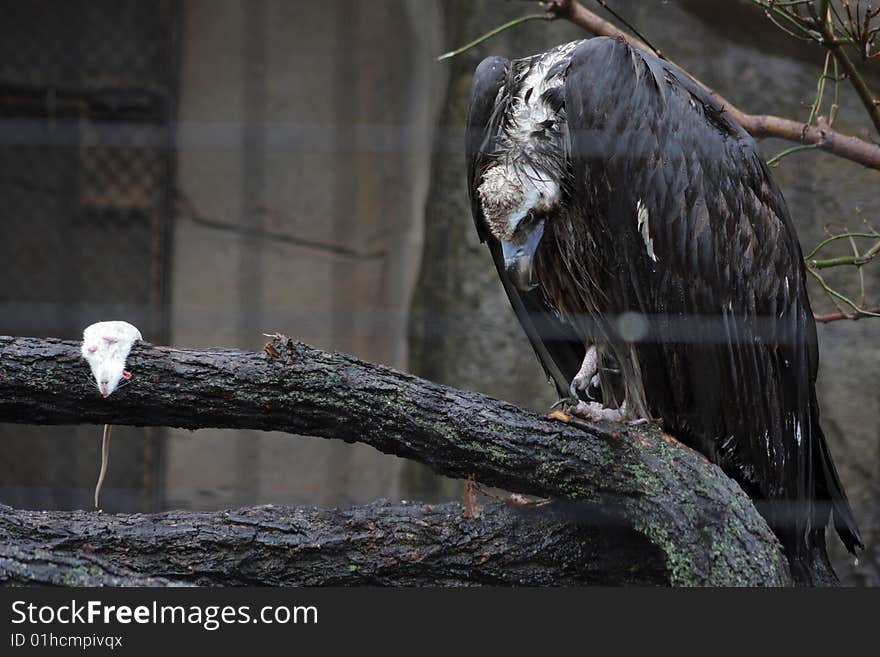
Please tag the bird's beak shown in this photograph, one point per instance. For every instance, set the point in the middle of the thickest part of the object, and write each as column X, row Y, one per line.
column 519, row 257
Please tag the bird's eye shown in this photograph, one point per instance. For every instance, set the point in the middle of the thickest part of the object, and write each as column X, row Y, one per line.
column 527, row 222
column 521, row 225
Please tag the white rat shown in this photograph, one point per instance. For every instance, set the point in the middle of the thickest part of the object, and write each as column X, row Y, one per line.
column 105, row 347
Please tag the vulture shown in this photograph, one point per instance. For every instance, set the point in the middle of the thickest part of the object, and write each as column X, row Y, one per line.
column 652, row 262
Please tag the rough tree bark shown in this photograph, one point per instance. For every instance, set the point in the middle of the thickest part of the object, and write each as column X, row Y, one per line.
column 704, row 527
column 379, row 544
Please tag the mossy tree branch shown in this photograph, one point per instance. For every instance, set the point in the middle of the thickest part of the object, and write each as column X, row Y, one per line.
column 378, row 544
column 705, row 527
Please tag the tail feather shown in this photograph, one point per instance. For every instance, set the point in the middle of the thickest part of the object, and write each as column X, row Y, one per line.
column 813, row 568
column 807, row 551
column 828, row 487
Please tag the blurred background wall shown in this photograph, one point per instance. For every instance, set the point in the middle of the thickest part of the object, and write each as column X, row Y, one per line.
column 303, row 159
column 212, row 170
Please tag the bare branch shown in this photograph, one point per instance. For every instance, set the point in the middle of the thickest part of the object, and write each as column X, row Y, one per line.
column 706, row 528
column 491, row 33
column 837, row 297
column 871, row 104
column 758, row 125
column 853, row 315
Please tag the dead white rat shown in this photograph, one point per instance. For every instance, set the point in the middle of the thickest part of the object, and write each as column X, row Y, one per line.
column 105, row 347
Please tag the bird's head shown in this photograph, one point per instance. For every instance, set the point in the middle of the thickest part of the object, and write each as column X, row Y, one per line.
column 516, row 202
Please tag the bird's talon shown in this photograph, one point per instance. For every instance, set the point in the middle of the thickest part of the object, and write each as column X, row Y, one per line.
column 595, row 412
column 560, row 403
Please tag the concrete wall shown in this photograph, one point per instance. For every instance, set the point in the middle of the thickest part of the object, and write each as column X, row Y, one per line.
column 304, row 150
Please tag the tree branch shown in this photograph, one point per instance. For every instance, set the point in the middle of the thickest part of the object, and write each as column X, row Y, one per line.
column 854, row 315
column 758, row 125
column 705, row 527
column 871, row 104
column 378, row 544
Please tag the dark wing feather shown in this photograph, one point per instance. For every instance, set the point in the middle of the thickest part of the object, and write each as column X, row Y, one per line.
column 484, row 112
column 556, row 345
column 730, row 359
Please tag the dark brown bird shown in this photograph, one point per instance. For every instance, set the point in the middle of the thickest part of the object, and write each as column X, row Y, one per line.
column 653, row 264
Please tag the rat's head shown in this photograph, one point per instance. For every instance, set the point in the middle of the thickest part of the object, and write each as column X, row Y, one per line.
column 107, row 375
column 516, row 201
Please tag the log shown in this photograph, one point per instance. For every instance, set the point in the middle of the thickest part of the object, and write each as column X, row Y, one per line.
column 706, row 528
column 378, row 544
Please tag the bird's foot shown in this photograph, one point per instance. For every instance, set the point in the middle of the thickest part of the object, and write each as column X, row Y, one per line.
column 587, row 376
column 595, row 412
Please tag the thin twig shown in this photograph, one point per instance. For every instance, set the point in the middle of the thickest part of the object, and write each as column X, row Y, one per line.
column 841, row 236
column 775, row 11
column 835, row 296
column 858, row 260
column 853, row 316
column 861, row 272
column 774, row 161
column 632, row 29
column 872, row 106
column 820, row 90
column 491, row 33
column 855, row 260
column 832, row 114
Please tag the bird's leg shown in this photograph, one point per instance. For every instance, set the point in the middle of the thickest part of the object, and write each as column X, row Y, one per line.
column 590, row 409
column 587, row 375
